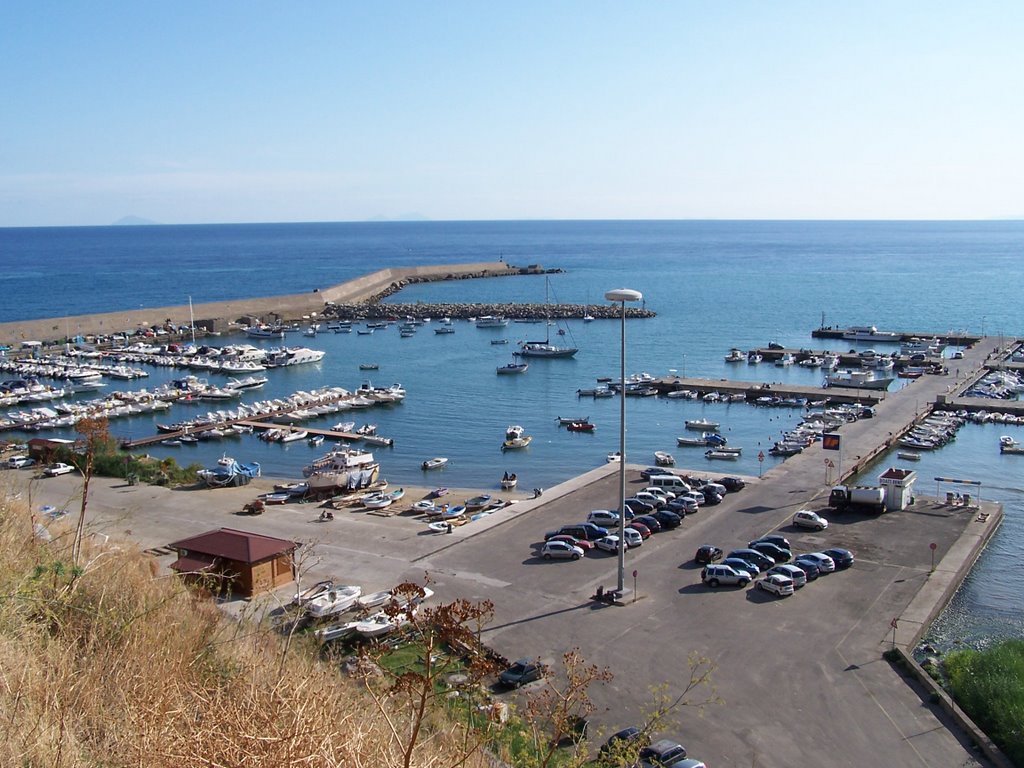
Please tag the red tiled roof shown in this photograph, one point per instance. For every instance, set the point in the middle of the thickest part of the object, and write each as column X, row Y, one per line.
column 192, row 564
column 240, row 546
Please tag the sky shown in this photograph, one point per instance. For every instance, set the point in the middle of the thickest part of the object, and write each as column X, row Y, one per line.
column 206, row 112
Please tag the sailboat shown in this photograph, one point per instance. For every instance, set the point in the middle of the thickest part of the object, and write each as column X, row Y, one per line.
column 544, row 348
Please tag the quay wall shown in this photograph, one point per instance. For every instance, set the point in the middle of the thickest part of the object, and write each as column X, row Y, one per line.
column 218, row 314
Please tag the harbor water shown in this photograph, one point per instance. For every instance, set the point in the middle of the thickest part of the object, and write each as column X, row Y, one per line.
column 713, row 285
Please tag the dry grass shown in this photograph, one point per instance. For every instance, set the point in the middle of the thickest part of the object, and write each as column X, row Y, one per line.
column 118, row 666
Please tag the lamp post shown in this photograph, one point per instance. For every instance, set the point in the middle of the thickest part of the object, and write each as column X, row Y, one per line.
column 622, row 295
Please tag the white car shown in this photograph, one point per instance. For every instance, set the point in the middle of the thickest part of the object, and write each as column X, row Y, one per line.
column 609, row 543
column 59, row 468
column 776, row 583
column 825, row 563
column 603, row 517
column 633, row 538
column 805, row 518
column 560, row 550
column 798, row 577
column 665, row 494
column 649, row 498
column 19, row 462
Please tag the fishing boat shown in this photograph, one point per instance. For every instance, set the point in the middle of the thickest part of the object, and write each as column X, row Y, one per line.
column 381, row 623
column 565, row 421
column 718, row 454
column 478, row 501
column 909, row 455
column 735, row 356
column 513, row 367
column 435, row 463
column 664, row 459
column 369, row 367
column 341, row 469
column 294, row 435
column 858, row 379
column 509, row 481
column 378, row 440
column 316, row 440
column 229, row 473
column 437, row 493
column 336, row 631
column 496, row 342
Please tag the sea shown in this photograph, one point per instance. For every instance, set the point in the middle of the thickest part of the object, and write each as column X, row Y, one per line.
column 713, row 285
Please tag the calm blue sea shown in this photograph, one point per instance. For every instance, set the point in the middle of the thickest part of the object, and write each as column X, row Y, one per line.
column 714, row 285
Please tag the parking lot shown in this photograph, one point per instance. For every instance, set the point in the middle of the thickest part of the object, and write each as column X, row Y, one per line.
column 798, row 678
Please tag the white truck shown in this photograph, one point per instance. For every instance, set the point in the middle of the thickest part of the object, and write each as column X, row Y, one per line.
column 867, row 498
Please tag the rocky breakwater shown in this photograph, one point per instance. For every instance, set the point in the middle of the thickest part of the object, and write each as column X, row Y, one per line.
column 460, row 311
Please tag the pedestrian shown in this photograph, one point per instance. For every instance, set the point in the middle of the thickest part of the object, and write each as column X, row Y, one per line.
column 449, row 529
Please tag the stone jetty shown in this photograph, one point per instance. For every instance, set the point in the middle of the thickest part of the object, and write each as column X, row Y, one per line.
column 356, row 299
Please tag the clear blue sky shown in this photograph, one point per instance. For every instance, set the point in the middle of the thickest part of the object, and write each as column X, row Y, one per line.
column 330, row 111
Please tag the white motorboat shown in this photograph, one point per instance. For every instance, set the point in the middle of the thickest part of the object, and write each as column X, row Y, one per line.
column 336, row 631
column 378, row 440
column 785, row 359
column 293, row 436
column 336, row 600
column 754, row 357
column 515, row 438
column 720, row 454
column 435, row 463
column 513, row 367
column 491, row 321
column 869, row 333
column 509, row 481
column 614, row 458
column 664, row 459
column 858, row 379
column 341, row 469
column 380, row 623
column 702, row 424
column 735, row 356
column 909, row 455
column 293, row 356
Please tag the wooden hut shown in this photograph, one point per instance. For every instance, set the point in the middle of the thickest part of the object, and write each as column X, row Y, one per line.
column 241, row 562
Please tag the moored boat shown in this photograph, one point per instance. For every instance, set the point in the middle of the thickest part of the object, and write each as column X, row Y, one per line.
column 435, row 463
column 664, row 459
column 513, row 367
column 509, row 481
column 580, row 426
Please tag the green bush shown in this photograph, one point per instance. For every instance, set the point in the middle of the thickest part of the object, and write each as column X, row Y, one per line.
column 989, row 686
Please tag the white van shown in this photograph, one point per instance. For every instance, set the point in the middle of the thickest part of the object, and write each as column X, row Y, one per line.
column 671, row 482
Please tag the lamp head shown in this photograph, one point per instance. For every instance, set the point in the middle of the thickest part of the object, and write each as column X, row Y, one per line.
column 624, row 294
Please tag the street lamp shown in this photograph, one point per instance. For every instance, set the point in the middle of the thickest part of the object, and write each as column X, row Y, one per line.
column 622, row 295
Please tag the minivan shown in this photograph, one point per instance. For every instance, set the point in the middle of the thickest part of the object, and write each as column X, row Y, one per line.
column 668, row 481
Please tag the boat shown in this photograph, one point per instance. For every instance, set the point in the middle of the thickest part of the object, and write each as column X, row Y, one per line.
column 293, row 435
column 440, row 526
column 336, row 631
column 320, row 588
column 341, row 469
column 702, row 424
column 716, row 454
column 452, row 512
column 909, row 455
column 754, row 357
column 664, row 459
column 316, row 440
column 1006, row 441
column 513, row 367
column 858, row 379
column 435, row 463
column 1015, row 449
column 377, row 501
column 514, row 438
column 478, row 501
column 580, row 426
column 368, row 367
column 491, row 321
column 265, row 332
column 565, row 421
column 293, row 356
column 381, row 623
column 509, row 481
column 614, row 458
column 444, row 329
column 378, row 440
column 229, row 473
column 869, row 333
column 173, row 442
column 785, row 359
column 338, row 599
column 437, row 493
column 275, row 498
column 545, row 348
column 735, row 356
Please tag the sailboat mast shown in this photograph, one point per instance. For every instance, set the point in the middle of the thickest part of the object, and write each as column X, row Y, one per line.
column 191, row 321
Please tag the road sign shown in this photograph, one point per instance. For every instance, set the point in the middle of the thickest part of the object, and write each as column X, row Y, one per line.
column 893, row 623
column 635, row 573
column 760, row 456
column 933, row 546
column 829, row 463
column 830, row 441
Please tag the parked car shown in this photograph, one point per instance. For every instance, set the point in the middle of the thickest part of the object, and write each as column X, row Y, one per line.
column 522, row 672
column 618, row 740
column 662, row 493
column 637, row 506
column 774, row 538
column 738, row 564
column 715, row 575
column 633, row 537
column 650, row 472
column 696, row 496
column 791, row 571
column 583, row 544
column 707, row 553
column 774, row 551
column 662, row 754
column 811, row 571
column 556, row 549
column 825, row 563
column 761, row 560
column 640, row 528
column 20, row 462
column 682, row 505
column 843, row 558
column 657, row 502
column 805, row 518
column 603, row 517
column 732, row 484
column 667, row 518
column 711, row 497
column 652, row 523
column 587, row 531
column 58, row 468
column 776, row 584
column 608, row 543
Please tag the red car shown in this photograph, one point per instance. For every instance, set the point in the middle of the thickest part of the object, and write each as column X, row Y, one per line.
column 640, row 528
column 583, row 544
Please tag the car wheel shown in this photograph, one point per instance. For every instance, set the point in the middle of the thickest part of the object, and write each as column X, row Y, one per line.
column 547, row 555
column 743, row 582
column 713, row 583
column 575, row 557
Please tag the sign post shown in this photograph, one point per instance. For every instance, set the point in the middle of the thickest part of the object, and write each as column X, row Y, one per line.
column 760, row 462
column 635, row 572
column 933, row 546
column 893, row 624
